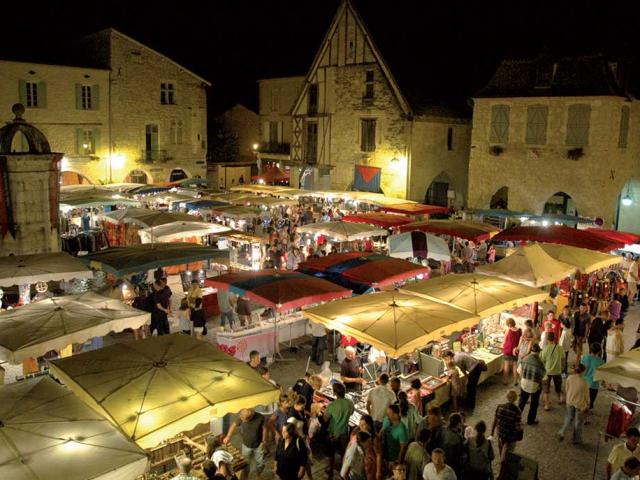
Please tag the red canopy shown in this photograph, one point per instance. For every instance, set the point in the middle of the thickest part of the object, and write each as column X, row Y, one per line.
column 456, row 228
column 615, row 236
column 414, row 209
column 383, row 220
column 561, row 235
column 271, row 175
column 279, row 290
column 368, row 268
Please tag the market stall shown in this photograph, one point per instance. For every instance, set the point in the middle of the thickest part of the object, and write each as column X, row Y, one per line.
column 378, row 219
column 245, row 250
column 341, row 235
column 189, row 232
column 48, row 432
column 414, row 209
column 418, row 245
column 561, row 235
column 454, row 228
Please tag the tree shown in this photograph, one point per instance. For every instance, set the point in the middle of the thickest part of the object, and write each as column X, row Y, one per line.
column 223, row 144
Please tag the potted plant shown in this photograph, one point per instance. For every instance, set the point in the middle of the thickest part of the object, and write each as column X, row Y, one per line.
column 575, row 153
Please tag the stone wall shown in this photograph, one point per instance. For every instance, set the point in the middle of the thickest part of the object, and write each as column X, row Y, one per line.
column 243, row 123
column 535, row 173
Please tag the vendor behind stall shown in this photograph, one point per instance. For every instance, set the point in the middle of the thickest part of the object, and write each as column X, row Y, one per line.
column 351, row 371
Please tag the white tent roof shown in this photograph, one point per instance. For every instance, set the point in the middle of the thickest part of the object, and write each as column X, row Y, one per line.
column 343, row 231
column 47, row 433
column 624, row 370
column 178, row 230
column 54, row 323
column 41, row 267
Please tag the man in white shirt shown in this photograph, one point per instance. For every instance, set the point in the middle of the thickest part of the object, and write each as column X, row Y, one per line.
column 629, row 471
column 438, row 469
column 379, row 398
column 621, row 452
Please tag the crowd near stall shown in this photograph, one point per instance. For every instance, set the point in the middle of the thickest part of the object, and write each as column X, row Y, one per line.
column 161, row 319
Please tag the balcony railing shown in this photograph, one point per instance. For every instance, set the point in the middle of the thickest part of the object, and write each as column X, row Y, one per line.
column 274, row 147
column 151, row 156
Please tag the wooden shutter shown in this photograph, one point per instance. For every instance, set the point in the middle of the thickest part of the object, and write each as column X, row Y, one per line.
column 22, row 92
column 578, row 119
column 499, row 124
column 537, row 125
column 42, row 95
column 96, row 140
column 78, row 96
column 95, row 97
column 79, row 141
column 368, row 135
column 624, row 127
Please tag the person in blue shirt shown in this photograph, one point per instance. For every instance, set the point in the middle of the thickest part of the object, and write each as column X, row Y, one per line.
column 592, row 361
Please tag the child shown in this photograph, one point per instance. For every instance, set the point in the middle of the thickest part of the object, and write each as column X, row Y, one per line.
column 184, row 317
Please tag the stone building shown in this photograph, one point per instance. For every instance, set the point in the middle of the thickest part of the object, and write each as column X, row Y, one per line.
column 134, row 116
column 558, row 135
column 354, row 125
column 243, row 123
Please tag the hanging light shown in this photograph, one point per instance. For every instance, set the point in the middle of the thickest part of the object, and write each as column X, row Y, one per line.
column 627, row 201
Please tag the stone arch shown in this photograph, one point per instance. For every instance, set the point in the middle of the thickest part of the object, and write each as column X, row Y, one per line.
column 438, row 190
column 628, row 207
column 500, row 199
column 177, row 174
column 69, row 176
column 138, row 174
column 560, row 203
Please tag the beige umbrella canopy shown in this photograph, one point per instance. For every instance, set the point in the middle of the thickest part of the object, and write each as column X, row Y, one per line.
column 54, row 323
column 529, row 265
column 624, row 370
column 343, row 231
column 394, row 322
column 41, row 267
column 583, row 259
column 47, row 433
column 156, row 388
column 479, row 294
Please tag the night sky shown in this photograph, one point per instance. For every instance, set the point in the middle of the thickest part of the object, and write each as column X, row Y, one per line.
column 453, row 45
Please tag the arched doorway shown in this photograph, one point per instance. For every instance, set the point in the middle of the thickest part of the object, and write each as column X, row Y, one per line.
column 628, row 207
column 73, row 178
column 560, row 203
column 500, row 199
column 177, row 174
column 137, row 176
column 438, row 191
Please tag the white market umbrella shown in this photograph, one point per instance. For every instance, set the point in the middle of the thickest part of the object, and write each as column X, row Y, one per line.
column 178, row 230
column 41, row 267
column 47, row 433
column 54, row 323
column 420, row 245
column 343, row 231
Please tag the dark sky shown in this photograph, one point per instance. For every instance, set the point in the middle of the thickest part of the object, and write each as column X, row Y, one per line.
column 453, row 45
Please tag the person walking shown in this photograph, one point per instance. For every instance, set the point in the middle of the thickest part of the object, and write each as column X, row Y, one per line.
column 253, row 431
column 198, row 319
column 629, row 471
column 552, row 357
column 581, row 324
column 417, row 457
column 353, row 465
column 592, row 361
column 319, row 334
column 623, row 451
column 508, row 422
column 337, row 415
column 438, row 469
column 615, row 340
column 379, row 398
column 480, row 455
column 394, row 436
column 577, row 404
column 509, row 349
column 532, row 372
column 566, row 335
column 291, row 455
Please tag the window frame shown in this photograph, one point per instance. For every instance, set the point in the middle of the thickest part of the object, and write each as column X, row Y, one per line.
column 369, row 84
column 88, row 142
column 86, row 97
column 368, row 145
column 31, row 93
column 538, row 129
column 571, row 139
column 499, row 136
column 167, row 93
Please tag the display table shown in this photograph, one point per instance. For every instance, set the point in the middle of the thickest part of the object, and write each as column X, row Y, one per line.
column 262, row 337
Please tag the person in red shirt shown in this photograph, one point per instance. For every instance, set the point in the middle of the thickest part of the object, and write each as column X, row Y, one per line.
column 555, row 324
column 348, row 341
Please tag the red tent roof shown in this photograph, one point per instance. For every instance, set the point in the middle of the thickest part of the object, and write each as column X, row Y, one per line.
column 616, row 236
column 384, row 220
column 272, row 174
column 561, row 235
column 468, row 230
column 368, row 268
column 414, row 209
column 279, row 290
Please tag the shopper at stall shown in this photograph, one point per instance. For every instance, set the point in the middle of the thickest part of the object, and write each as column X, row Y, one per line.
column 577, row 392
column 566, row 336
column 552, row 358
column 631, row 276
column 184, row 317
column 320, row 343
column 592, row 361
column 417, row 457
column 253, row 432
column 226, row 310
column 526, row 342
column 472, row 368
column 615, row 340
column 491, row 254
column 414, row 394
column 194, row 292
column 394, row 436
column 353, row 465
column 198, row 319
column 395, row 386
column 409, row 415
column 480, row 455
column 291, row 455
column 509, row 346
column 243, row 309
column 599, row 328
column 281, row 415
column 438, row 469
column 551, row 324
column 532, row 372
column 373, row 450
column 456, row 381
column 507, row 420
column 453, row 443
column 303, row 389
column 161, row 309
column 337, row 415
column 351, row 371
column 622, row 451
column 581, row 324
column 379, row 398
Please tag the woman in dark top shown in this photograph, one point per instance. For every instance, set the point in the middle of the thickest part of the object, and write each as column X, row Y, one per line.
column 291, row 455
column 198, row 318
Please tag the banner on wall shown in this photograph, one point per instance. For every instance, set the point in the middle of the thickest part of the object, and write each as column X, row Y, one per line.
column 367, row 179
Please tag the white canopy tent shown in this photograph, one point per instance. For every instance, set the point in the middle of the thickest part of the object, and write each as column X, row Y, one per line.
column 54, row 323
column 47, row 433
column 179, row 230
column 343, row 231
column 41, row 267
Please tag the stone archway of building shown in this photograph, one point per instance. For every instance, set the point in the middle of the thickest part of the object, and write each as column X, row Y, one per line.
column 178, row 174
column 560, row 203
column 70, row 177
column 500, row 199
column 138, row 176
column 628, row 207
column 438, row 191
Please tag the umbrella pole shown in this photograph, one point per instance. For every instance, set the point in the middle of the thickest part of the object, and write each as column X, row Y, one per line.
column 277, row 356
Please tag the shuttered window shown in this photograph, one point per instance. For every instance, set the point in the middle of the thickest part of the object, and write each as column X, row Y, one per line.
column 87, row 141
column 624, row 127
column 368, row 135
column 167, row 94
column 578, row 120
column 537, row 125
column 87, row 97
column 499, row 124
